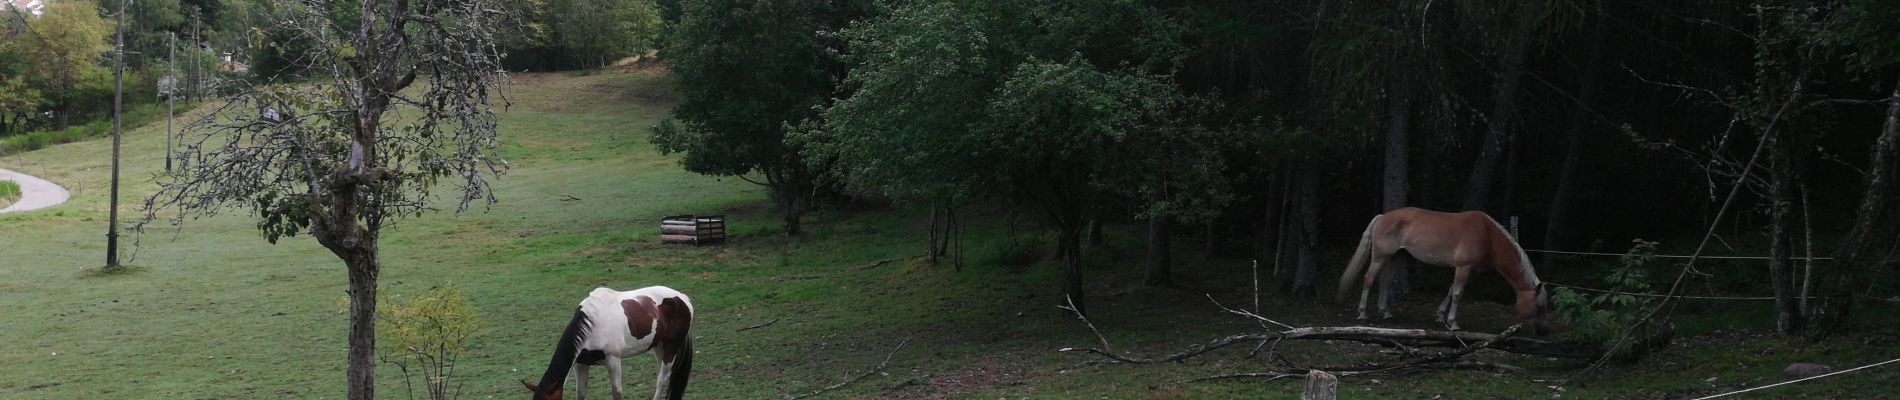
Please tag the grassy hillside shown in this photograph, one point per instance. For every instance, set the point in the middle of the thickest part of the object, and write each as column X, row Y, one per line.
column 216, row 312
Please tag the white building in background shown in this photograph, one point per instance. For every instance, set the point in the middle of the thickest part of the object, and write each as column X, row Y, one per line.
column 34, row 7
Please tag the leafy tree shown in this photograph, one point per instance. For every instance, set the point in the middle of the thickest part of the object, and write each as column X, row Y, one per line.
column 749, row 72
column 599, row 31
column 62, row 49
column 16, row 100
column 1056, row 106
column 1866, row 35
column 331, row 157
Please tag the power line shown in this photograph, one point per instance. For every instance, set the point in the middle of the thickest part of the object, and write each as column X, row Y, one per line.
column 1589, row 253
column 1800, row 380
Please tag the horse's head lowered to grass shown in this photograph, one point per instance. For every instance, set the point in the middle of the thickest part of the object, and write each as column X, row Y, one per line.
column 610, row 325
column 1465, row 241
column 1534, row 308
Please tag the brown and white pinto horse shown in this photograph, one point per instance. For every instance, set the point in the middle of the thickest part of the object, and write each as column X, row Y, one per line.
column 610, row 325
column 1464, row 241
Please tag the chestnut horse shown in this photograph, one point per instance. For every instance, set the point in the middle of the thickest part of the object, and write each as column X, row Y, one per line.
column 610, row 325
column 1464, row 241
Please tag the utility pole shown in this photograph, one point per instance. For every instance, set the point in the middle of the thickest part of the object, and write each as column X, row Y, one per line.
column 118, row 105
column 171, row 92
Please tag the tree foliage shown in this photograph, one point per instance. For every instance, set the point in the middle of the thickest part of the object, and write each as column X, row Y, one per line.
column 1061, row 106
column 400, row 98
column 749, row 72
column 62, row 50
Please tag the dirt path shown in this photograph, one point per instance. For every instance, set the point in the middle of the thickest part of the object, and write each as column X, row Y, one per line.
column 35, row 193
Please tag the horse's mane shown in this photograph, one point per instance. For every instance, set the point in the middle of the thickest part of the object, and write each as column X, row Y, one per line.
column 1524, row 267
column 564, row 352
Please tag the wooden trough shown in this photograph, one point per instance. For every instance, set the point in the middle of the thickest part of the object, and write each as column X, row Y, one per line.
column 694, row 230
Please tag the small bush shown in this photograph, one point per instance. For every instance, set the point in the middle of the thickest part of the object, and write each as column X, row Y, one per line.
column 9, row 192
column 424, row 335
column 1014, row 252
column 135, row 116
column 1600, row 318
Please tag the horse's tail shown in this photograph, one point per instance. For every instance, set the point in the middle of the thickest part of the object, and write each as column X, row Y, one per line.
column 1360, row 258
column 682, row 368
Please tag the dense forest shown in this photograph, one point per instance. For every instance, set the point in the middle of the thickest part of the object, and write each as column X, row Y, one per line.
column 1265, row 128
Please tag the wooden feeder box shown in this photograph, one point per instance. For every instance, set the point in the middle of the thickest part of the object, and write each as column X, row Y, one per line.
column 694, row 230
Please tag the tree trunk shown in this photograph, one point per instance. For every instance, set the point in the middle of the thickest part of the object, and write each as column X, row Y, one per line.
column 1858, row 250
column 1780, row 198
column 1095, row 232
column 1270, row 225
column 1394, row 279
column 1498, row 133
column 1574, row 133
column 930, row 245
column 790, row 190
column 1072, row 278
column 1507, row 205
column 1160, row 252
column 1320, row 385
column 1306, row 272
column 363, row 270
column 1210, row 243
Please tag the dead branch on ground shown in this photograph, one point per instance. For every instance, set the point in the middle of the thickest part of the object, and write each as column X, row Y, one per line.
column 880, row 367
column 766, row 324
column 879, row 263
column 1408, row 341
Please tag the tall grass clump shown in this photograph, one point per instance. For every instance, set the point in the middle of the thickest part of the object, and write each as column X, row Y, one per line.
column 9, row 192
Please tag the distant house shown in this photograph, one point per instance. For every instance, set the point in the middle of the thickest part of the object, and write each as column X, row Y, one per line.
column 34, row 7
column 229, row 65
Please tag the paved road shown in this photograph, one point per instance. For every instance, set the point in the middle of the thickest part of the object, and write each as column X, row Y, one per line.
column 35, row 193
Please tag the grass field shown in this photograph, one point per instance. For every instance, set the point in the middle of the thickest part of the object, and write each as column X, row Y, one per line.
column 215, row 312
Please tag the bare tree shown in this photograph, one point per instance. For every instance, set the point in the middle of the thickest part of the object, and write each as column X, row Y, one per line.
column 356, row 144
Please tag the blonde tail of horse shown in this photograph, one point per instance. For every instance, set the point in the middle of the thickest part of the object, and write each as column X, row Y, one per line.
column 1360, row 258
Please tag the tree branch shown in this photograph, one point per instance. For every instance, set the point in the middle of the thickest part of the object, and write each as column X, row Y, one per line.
column 880, row 367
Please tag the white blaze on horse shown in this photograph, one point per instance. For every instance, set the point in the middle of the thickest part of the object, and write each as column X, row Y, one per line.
column 1464, row 241
column 610, row 325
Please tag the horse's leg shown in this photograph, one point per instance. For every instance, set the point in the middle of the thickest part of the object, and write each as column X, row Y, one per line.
column 1372, row 275
column 660, row 387
column 580, row 381
column 1444, row 306
column 613, row 370
column 1457, row 293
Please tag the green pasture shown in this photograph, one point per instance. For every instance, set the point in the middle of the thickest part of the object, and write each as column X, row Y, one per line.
column 215, row 312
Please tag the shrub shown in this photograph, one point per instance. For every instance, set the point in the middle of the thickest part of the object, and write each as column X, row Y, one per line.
column 1600, row 318
column 1014, row 252
column 9, row 192
column 425, row 335
column 135, row 116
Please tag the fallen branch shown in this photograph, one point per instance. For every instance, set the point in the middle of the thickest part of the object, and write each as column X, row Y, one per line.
column 1447, row 360
column 569, row 197
column 1271, row 376
column 1402, row 338
column 880, row 367
column 1255, row 317
column 879, row 263
column 766, row 324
